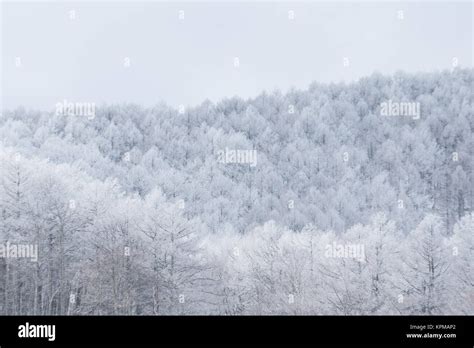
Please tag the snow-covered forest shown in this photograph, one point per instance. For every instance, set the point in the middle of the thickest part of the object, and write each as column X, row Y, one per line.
column 309, row 202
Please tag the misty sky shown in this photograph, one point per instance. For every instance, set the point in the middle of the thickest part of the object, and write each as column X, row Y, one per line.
column 187, row 61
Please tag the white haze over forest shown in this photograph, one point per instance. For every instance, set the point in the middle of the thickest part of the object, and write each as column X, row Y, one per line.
column 339, row 199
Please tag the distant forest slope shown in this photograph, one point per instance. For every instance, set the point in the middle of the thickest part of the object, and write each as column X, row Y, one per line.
column 329, row 156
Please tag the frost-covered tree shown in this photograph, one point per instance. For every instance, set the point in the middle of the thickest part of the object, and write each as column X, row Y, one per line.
column 424, row 273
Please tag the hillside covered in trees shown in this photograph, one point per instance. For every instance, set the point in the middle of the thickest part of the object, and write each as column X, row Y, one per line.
column 334, row 206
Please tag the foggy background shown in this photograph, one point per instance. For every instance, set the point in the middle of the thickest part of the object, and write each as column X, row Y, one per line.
column 185, row 61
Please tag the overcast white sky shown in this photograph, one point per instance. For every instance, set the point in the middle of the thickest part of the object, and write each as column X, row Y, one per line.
column 188, row 61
